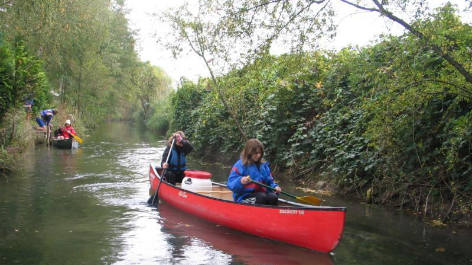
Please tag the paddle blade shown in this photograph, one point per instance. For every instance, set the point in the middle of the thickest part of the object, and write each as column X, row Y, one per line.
column 153, row 200
column 77, row 138
column 310, row 200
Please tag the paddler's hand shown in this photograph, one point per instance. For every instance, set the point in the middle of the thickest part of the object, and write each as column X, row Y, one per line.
column 278, row 189
column 177, row 137
column 245, row 180
column 165, row 165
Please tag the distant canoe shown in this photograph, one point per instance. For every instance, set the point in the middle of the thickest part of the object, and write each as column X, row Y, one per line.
column 314, row 227
column 70, row 143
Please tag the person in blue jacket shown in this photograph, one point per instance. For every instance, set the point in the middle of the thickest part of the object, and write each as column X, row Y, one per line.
column 178, row 158
column 252, row 166
column 45, row 119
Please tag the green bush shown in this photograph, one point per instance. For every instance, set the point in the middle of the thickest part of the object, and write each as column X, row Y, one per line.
column 394, row 115
column 21, row 76
column 160, row 116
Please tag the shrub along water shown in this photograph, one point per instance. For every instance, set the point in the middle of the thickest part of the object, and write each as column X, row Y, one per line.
column 21, row 75
column 393, row 118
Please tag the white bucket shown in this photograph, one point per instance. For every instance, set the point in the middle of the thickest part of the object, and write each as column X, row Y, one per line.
column 197, row 181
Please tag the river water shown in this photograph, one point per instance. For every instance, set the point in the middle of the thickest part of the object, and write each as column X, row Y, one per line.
column 88, row 206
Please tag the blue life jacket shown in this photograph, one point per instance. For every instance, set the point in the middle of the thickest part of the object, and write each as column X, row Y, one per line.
column 177, row 160
column 259, row 173
column 45, row 116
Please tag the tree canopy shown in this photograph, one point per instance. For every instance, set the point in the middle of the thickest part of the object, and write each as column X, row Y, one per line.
column 88, row 52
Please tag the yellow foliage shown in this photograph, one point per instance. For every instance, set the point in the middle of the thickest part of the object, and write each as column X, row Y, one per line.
column 322, row 192
column 441, row 249
column 437, row 223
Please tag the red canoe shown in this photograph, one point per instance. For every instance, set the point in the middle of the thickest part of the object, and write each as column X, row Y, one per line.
column 314, row 227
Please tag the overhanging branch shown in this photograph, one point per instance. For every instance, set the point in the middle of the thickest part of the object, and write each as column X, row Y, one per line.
column 459, row 67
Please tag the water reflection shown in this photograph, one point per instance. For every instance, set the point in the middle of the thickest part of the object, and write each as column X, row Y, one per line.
column 67, row 159
column 195, row 235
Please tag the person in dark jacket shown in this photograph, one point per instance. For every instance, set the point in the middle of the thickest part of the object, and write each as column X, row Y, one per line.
column 252, row 166
column 178, row 158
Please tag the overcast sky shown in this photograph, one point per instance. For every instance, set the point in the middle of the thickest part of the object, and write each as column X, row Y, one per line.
column 356, row 28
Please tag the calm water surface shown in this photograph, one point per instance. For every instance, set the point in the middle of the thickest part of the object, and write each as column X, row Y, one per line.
column 88, row 206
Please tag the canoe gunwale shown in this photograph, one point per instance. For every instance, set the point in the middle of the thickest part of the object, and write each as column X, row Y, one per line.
column 69, row 143
column 293, row 205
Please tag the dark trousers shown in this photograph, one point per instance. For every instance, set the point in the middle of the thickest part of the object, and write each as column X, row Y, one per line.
column 269, row 198
column 174, row 176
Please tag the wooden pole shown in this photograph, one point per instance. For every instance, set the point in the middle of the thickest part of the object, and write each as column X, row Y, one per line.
column 48, row 134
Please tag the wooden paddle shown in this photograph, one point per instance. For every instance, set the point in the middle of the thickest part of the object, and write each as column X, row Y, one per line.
column 160, row 179
column 48, row 134
column 305, row 199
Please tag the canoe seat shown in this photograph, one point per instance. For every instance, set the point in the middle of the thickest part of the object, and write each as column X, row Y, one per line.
column 219, row 194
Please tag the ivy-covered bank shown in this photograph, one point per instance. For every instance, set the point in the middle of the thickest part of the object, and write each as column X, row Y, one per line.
column 391, row 121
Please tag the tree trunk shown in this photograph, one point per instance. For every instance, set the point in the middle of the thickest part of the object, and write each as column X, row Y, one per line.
column 79, row 86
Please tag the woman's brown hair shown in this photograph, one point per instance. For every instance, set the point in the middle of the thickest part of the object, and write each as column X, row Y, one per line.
column 251, row 147
column 169, row 141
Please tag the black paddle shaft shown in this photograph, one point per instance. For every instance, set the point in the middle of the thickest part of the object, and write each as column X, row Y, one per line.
column 156, row 197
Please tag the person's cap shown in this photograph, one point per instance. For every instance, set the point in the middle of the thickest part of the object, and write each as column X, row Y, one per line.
column 67, row 121
column 54, row 111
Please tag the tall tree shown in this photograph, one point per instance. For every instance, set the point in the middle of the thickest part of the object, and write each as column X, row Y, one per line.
column 87, row 47
column 151, row 84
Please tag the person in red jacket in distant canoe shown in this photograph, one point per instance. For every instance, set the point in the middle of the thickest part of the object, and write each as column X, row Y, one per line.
column 67, row 130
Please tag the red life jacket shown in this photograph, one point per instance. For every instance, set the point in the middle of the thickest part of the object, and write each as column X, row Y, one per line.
column 66, row 131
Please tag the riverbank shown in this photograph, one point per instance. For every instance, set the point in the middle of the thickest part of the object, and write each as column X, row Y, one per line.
column 433, row 212
column 18, row 133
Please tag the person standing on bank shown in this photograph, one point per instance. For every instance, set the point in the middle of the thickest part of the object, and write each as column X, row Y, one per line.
column 177, row 161
column 251, row 166
column 45, row 119
column 28, row 105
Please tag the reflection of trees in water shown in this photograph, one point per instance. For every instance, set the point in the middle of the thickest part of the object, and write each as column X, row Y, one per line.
column 176, row 243
column 68, row 159
column 44, row 161
column 49, row 161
